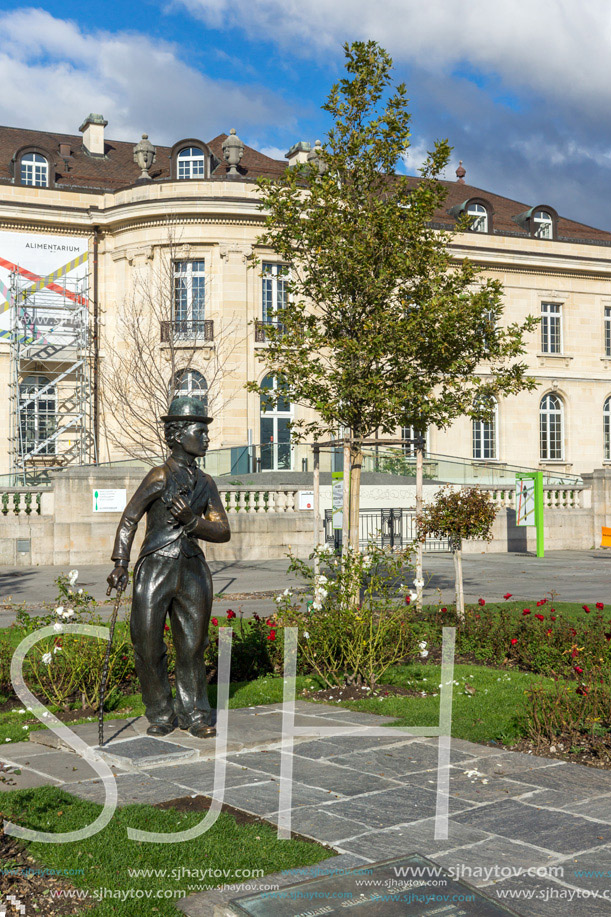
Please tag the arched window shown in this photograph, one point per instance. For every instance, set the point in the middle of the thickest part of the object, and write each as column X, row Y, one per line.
column 191, row 382
column 485, row 436
column 551, row 427
column 607, row 429
column 34, row 170
column 275, row 433
column 479, row 217
column 37, row 420
column 543, row 224
column 191, row 163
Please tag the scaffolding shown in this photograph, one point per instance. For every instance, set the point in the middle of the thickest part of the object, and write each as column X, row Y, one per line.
column 51, row 392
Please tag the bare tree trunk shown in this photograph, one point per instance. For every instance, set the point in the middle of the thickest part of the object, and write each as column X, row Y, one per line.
column 419, row 580
column 355, row 493
column 460, row 596
column 346, row 506
column 316, row 501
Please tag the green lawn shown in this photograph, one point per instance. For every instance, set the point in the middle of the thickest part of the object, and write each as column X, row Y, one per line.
column 107, row 858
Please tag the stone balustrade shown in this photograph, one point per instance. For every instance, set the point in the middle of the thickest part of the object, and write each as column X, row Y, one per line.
column 21, row 501
column 553, row 497
column 255, row 500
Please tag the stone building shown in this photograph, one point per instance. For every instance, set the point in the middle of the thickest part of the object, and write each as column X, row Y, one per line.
column 87, row 225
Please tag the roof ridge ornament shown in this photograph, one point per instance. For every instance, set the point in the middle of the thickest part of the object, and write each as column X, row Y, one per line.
column 460, row 173
column 144, row 157
column 233, row 150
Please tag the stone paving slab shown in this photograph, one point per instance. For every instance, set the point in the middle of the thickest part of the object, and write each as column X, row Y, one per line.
column 346, row 781
column 553, row 899
column 485, row 862
column 131, row 788
column 345, row 745
column 199, row 776
column 143, row 751
column 263, row 798
column 398, row 761
column 62, row 766
column 600, row 809
column 113, row 729
column 558, row 832
column 397, row 806
column 512, row 764
column 464, row 785
column 19, row 778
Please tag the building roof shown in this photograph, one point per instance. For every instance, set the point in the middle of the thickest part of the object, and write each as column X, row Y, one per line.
column 117, row 169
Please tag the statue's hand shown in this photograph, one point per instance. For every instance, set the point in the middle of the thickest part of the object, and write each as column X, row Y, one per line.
column 117, row 579
column 181, row 510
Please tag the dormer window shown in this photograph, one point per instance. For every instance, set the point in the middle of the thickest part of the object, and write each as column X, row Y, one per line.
column 479, row 211
column 479, row 217
column 34, row 170
column 543, row 225
column 191, row 163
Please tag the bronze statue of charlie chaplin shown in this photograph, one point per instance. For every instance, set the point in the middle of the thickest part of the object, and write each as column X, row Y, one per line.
column 171, row 577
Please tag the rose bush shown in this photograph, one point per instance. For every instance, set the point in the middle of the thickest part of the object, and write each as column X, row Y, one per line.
column 343, row 642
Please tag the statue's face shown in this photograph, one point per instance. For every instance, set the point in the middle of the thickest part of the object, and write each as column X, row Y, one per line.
column 194, row 438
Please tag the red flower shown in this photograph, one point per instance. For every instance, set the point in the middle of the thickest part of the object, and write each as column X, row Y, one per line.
column 481, row 601
column 407, row 599
column 542, row 602
column 166, row 627
column 574, row 652
column 444, row 608
column 271, row 635
column 552, row 617
column 608, row 636
column 552, row 610
column 586, row 609
column 514, row 640
column 548, row 632
column 578, row 669
column 269, row 622
column 526, row 611
column 230, row 614
column 582, row 690
column 215, row 622
column 507, row 595
column 573, row 631
column 600, row 605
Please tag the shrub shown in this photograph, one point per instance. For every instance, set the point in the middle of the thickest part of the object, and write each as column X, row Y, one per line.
column 68, row 667
column 255, row 648
column 342, row 642
column 570, row 709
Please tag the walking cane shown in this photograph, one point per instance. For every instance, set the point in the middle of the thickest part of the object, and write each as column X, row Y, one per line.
column 113, row 621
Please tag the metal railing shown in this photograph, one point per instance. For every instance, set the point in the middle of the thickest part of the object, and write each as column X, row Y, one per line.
column 388, row 528
column 187, row 330
column 261, row 329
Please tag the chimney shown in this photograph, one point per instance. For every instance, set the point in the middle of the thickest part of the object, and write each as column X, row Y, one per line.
column 298, row 153
column 92, row 129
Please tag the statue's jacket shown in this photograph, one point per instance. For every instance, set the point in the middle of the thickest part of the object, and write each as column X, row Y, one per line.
column 164, row 534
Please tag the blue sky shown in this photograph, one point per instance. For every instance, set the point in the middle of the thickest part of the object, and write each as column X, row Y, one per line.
column 521, row 88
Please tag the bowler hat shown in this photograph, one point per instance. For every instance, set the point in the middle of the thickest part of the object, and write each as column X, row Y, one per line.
column 186, row 407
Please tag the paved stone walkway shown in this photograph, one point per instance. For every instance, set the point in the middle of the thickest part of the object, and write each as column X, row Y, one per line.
column 373, row 798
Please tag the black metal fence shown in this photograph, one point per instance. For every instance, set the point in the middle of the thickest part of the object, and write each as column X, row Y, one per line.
column 388, row 528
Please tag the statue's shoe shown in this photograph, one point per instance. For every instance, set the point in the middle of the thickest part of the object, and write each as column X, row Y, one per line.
column 202, row 731
column 160, row 729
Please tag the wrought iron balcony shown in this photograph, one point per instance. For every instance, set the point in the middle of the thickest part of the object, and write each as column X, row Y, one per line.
column 187, row 330
column 261, row 329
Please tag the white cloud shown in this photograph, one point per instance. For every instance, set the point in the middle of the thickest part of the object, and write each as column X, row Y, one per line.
column 274, row 152
column 556, row 47
column 54, row 73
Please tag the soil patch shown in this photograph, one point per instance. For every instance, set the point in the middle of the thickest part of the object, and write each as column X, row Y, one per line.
column 593, row 751
column 34, row 887
column 354, row 692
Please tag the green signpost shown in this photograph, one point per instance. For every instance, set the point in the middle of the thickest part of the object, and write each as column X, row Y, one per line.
column 529, row 503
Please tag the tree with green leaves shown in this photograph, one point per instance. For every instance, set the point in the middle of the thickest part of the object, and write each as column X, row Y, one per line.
column 383, row 326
